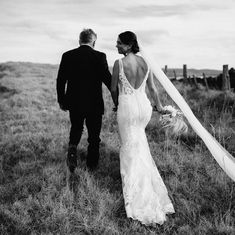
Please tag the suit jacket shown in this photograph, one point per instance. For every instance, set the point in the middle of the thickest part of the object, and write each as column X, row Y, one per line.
column 79, row 82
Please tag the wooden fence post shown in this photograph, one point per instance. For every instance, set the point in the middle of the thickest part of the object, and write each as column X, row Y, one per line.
column 205, row 80
column 174, row 74
column 226, row 79
column 185, row 71
column 185, row 76
column 165, row 70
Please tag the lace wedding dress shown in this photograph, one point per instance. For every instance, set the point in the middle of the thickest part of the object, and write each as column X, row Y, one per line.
column 145, row 195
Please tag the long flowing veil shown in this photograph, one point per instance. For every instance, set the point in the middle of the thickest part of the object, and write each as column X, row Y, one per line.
column 223, row 157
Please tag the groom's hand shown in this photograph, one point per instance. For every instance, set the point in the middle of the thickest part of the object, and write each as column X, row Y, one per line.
column 62, row 107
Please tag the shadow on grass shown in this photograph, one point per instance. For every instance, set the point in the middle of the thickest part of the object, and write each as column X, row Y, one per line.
column 107, row 173
column 107, row 178
column 6, row 92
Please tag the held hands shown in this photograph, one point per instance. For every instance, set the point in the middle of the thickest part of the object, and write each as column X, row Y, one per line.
column 62, row 107
column 115, row 108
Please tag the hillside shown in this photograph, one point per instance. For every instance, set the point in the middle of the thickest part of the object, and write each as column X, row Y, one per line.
column 190, row 71
column 170, row 71
column 35, row 192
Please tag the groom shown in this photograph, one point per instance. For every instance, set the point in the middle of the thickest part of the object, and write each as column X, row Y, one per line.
column 79, row 90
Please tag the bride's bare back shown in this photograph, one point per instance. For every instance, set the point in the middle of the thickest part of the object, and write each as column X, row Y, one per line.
column 135, row 70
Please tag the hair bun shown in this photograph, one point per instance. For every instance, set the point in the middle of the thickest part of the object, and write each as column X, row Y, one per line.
column 129, row 38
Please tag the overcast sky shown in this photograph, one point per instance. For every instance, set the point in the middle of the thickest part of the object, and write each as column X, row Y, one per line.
column 199, row 33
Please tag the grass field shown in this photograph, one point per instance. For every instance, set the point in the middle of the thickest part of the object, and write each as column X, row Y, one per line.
column 35, row 197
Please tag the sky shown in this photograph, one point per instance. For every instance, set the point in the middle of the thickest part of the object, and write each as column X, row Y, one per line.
column 199, row 33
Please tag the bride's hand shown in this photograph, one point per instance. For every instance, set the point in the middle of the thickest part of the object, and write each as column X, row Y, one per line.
column 161, row 110
column 158, row 109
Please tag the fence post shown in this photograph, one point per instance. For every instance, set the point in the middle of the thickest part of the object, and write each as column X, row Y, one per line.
column 226, row 79
column 205, row 80
column 165, row 70
column 174, row 74
column 185, row 76
column 185, row 71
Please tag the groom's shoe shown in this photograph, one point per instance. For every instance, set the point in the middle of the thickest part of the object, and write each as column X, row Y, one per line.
column 92, row 167
column 72, row 158
column 92, row 158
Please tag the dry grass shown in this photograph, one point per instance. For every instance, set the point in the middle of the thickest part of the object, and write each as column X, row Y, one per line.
column 34, row 194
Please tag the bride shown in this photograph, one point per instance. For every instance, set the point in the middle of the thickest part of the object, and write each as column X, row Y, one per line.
column 145, row 194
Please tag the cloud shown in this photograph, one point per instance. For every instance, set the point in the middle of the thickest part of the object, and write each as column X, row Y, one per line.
column 152, row 36
column 176, row 30
column 166, row 10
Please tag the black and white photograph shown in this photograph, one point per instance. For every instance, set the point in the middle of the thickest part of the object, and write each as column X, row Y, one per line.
column 117, row 117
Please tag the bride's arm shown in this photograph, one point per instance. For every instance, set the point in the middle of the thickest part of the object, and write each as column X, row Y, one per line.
column 154, row 92
column 114, row 83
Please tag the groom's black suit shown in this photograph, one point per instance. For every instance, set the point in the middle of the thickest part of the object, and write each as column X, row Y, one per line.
column 79, row 89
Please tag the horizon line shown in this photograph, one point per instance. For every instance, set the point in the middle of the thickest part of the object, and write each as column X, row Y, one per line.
column 57, row 64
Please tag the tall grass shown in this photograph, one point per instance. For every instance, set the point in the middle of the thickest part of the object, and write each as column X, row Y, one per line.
column 35, row 192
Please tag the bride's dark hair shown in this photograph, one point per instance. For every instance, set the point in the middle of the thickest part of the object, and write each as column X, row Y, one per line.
column 129, row 38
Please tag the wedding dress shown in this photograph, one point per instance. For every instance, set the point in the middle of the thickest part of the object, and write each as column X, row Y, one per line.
column 145, row 194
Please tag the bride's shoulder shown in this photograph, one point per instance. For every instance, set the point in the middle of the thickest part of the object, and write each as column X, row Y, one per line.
column 140, row 58
column 142, row 61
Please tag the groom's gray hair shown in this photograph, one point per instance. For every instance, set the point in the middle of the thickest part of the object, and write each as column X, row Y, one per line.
column 87, row 36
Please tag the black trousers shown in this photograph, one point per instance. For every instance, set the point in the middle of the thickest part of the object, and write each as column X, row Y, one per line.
column 93, row 123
